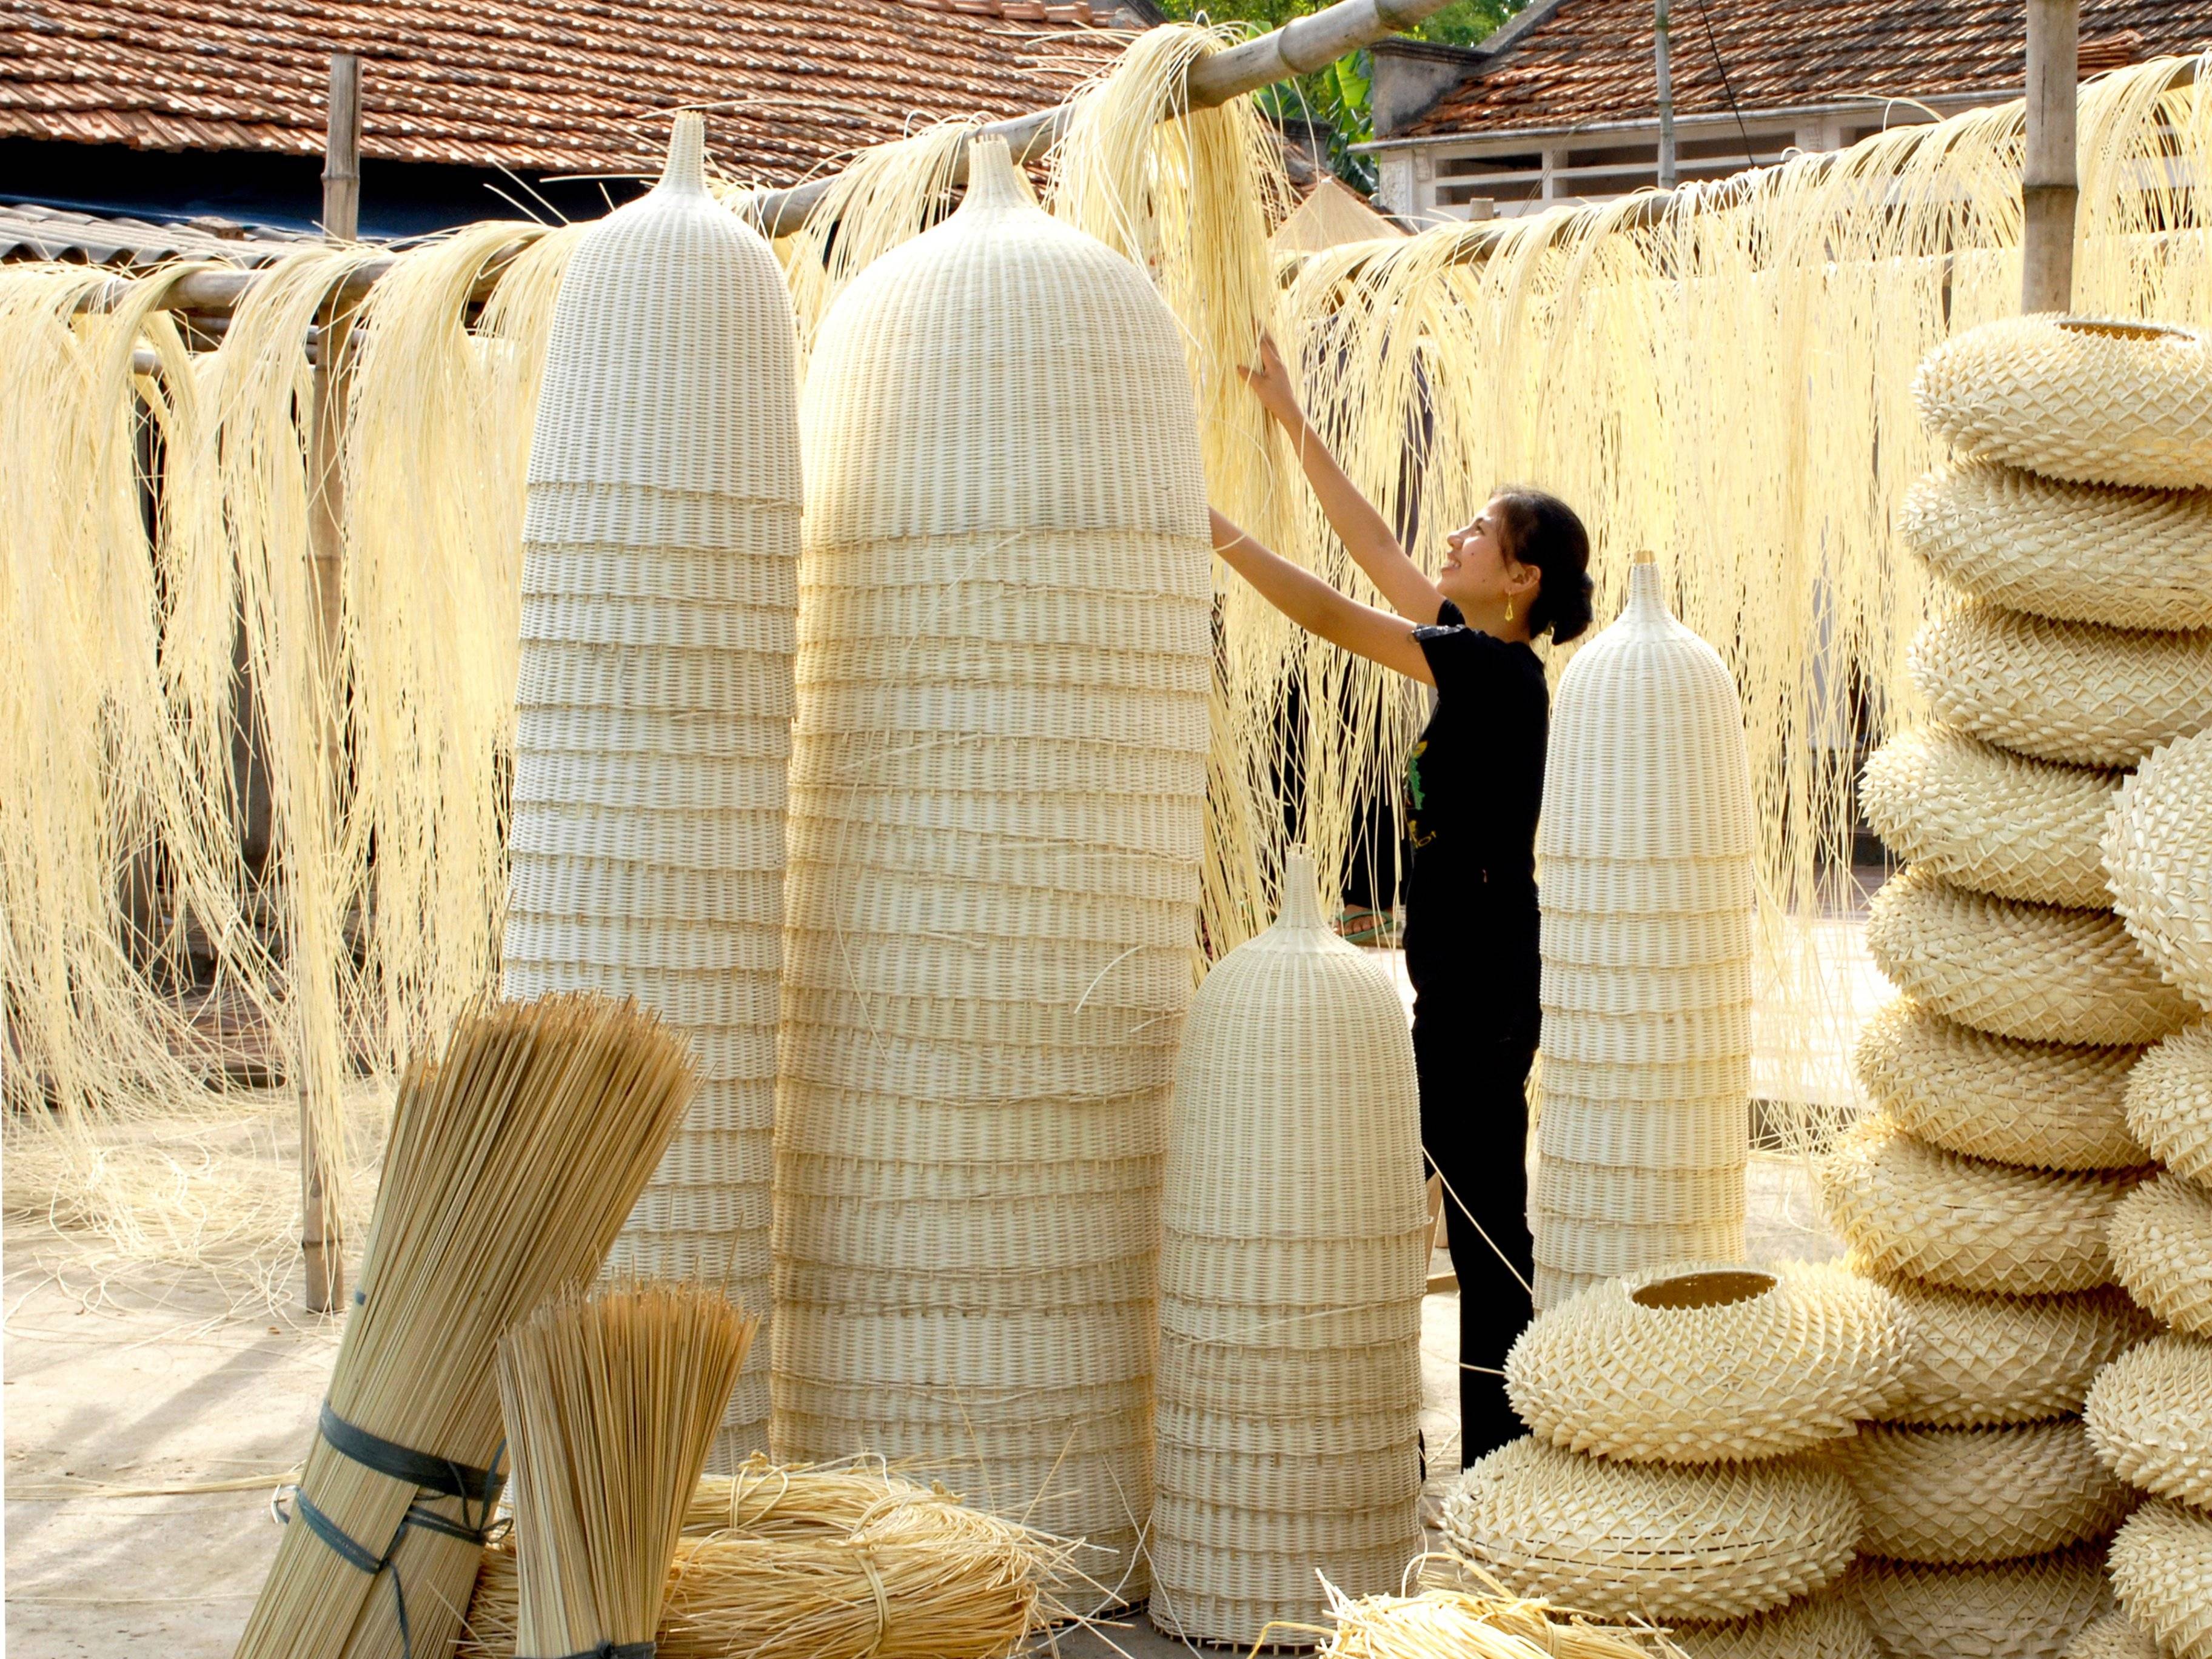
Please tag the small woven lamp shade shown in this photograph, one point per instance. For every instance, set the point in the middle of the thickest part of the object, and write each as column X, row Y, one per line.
column 2043, row 546
column 2024, row 1609
column 2161, row 1567
column 2115, row 1636
column 2158, row 854
column 1823, row 1626
column 2092, row 399
column 1646, row 841
column 997, row 789
column 1279, row 1316
column 2064, row 692
column 1996, row 821
column 1979, row 1495
column 2161, row 1250
column 2150, row 1418
column 659, row 587
column 2169, row 1103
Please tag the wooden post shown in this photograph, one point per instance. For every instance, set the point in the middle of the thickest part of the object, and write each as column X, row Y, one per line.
column 1662, row 67
column 322, row 1239
column 2050, row 186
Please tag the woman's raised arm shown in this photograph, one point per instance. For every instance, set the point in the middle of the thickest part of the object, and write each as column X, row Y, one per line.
column 1315, row 606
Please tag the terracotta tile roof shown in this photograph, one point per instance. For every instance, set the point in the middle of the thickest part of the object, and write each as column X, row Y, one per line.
column 548, row 85
column 1589, row 61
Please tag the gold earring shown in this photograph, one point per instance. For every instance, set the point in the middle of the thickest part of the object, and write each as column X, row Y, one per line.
column 1509, row 607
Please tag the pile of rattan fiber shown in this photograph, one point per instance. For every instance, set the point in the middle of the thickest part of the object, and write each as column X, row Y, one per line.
column 1998, row 1188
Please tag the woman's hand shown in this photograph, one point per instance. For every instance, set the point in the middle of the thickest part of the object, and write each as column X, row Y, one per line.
column 1272, row 384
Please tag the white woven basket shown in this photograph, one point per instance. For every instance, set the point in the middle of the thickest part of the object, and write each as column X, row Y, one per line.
column 2114, row 1635
column 1604, row 1250
column 2162, row 1565
column 2047, row 1105
column 2150, row 1418
column 2064, row 692
column 1823, row 1626
column 2024, row 1609
column 2169, row 1103
column 1982, row 818
column 2029, row 971
column 2094, row 399
column 1617, row 1193
column 2161, row 1250
column 1709, row 1364
column 1915, row 1210
column 1685, row 1134
column 1625, row 1540
column 1979, row 1495
column 2158, row 856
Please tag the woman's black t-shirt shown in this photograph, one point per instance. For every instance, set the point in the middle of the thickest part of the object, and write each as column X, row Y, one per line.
column 1473, row 787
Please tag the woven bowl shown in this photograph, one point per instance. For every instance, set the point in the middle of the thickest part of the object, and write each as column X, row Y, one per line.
column 2097, row 400
column 1622, row 1540
column 2114, row 1635
column 2161, row 1566
column 2041, row 545
column 2049, row 1105
column 1974, row 1360
column 1824, row 1626
column 2064, row 692
column 1982, row 818
column 2026, row 1609
column 1709, row 1364
column 2161, row 1250
column 2150, row 1418
column 1955, row 1496
column 2158, row 856
column 2018, row 970
column 1915, row 1210
column 2169, row 1103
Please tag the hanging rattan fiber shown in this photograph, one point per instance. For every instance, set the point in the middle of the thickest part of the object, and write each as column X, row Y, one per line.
column 2161, row 1250
column 1982, row 818
column 2092, row 399
column 1709, row 1364
column 1913, row 1209
column 2150, row 1418
column 2024, row 1609
column 1823, row 1626
column 2169, row 1103
column 2161, row 1567
column 1727, row 1541
column 2068, row 692
column 1955, row 1496
column 2114, row 1635
column 2029, row 971
column 2049, row 1105
column 2158, row 857
column 2042, row 546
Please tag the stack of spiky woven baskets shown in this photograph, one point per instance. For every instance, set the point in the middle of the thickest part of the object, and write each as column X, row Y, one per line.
column 1646, row 846
column 1982, row 1191
column 1295, row 1257
column 1676, row 1470
column 659, row 588
column 997, row 787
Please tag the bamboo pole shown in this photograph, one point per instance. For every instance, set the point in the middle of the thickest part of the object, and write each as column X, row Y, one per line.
column 2050, row 186
column 1663, row 69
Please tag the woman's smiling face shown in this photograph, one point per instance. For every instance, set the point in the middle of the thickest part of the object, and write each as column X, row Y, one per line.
column 1479, row 575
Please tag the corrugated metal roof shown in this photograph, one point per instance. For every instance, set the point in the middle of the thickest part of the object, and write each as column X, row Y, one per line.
column 31, row 232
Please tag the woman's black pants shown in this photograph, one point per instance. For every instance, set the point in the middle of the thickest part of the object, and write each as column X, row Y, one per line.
column 1475, row 1131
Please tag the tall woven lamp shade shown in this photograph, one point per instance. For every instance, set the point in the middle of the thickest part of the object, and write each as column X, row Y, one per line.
column 659, row 586
column 1294, row 1260
column 1646, row 845
column 997, row 782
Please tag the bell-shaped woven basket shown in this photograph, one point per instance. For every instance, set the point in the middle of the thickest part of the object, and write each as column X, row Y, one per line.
column 1625, row 1540
column 2169, row 1103
column 1704, row 1365
column 1646, row 838
column 2067, row 692
column 2030, row 971
column 1979, row 1495
column 2150, row 1418
column 2049, row 1105
column 1913, row 1209
column 2161, row 1249
column 2043, row 546
column 1982, row 818
column 2114, row 1635
column 2097, row 400
column 659, row 589
column 997, row 796
column 2024, row 1609
column 2161, row 1567
column 2158, row 856
column 1823, row 1626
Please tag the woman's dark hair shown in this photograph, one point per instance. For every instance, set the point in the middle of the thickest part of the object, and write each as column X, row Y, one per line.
column 1537, row 528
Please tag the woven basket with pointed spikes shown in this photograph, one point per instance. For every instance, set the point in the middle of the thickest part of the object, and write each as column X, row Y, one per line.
column 2024, row 1609
column 2161, row 1250
column 1979, row 1495
column 2150, row 1418
column 2162, row 1565
column 2114, row 1635
column 2158, row 856
column 2169, row 1103
column 1823, row 1626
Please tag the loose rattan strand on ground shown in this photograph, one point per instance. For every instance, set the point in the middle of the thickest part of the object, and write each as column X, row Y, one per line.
column 2169, row 1103
column 2161, row 1250
column 1823, row 1626
column 1955, row 1496
column 2029, row 971
column 2161, row 1566
column 2050, row 1105
column 2068, row 692
column 2158, row 856
column 1709, row 1364
column 2024, row 1609
column 2114, row 1636
column 2043, row 545
column 645, row 862
column 2092, row 399
column 2150, row 1418
column 1982, row 818
column 1913, row 1209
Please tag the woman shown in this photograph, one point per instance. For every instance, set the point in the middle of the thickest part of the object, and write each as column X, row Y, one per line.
column 1518, row 572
